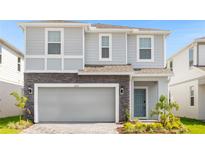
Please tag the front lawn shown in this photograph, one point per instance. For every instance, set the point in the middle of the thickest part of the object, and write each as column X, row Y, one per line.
column 3, row 125
column 194, row 126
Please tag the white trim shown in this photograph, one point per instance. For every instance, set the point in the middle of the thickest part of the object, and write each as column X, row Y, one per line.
column 130, row 92
column 126, row 48
column 44, row 24
column 83, row 38
column 36, row 86
column 110, row 47
column 151, row 75
column 147, row 102
column 51, row 71
column 55, row 56
column 152, row 48
column 61, row 30
column 165, row 51
column 130, row 31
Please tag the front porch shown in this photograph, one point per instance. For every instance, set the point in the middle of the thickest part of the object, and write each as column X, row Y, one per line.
column 145, row 92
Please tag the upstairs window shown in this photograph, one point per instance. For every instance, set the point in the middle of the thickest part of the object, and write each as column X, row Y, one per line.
column 19, row 64
column 171, row 65
column 105, row 47
column 145, row 49
column 191, row 57
column 54, row 41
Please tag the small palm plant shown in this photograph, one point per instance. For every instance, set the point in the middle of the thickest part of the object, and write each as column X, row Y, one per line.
column 21, row 101
column 164, row 109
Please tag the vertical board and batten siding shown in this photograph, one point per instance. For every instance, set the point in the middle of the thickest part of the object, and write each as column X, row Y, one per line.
column 35, row 45
column 92, row 49
column 158, row 52
column 201, row 56
column 8, row 68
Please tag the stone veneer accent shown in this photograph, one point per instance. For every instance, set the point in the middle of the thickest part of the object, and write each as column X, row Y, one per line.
column 31, row 78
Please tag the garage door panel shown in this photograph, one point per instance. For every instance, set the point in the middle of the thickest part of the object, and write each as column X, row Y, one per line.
column 69, row 104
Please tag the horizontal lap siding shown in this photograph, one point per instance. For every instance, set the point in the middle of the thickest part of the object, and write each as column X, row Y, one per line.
column 158, row 52
column 92, row 49
column 35, row 45
column 73, row 41
column 35, row 41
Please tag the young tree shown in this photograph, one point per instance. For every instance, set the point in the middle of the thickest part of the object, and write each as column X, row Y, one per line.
column 21, row 101
column 164, row 109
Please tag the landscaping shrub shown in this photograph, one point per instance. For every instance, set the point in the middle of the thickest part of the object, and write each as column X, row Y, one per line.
column 19, row 125
column 168, row 122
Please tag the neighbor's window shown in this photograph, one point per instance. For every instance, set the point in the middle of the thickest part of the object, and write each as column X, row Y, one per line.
column 192, row 101
column 171, row 65
column 145, row 48
column 54, row 42
column 19, row 64
column 191, row 57
column 105, row 47
column 0, row 56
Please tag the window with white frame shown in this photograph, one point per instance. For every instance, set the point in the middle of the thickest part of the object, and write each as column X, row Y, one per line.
column 54, row 42
column 145, row 48
column 19, row 64
column 191, row 57
column 105, row 47
column 192, row 100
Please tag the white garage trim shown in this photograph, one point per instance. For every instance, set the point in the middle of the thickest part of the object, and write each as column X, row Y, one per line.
column 36, row 86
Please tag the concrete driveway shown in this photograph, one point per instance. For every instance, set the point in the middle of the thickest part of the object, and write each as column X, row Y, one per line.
column 82, row 128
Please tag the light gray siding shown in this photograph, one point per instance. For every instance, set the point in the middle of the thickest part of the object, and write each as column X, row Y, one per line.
column 158, row 52
column 35, row 63
column 35, row 41
column 35, row 45
column 73, row 41
column 73, row 64
column 92, row 49
column 54, row 64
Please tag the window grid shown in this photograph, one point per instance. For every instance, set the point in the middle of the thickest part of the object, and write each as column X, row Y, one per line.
column 191, row 57
column 19, row 64
column 54, row 42
column 192, row 99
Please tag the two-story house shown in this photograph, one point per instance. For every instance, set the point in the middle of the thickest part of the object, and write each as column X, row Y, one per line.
column 187, row 85
column 11, row 77
column 79, row 72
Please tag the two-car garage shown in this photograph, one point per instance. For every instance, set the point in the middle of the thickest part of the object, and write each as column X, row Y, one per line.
column 76, row 102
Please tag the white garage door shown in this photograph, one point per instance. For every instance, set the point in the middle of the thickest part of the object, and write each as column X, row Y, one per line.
column 76, row 104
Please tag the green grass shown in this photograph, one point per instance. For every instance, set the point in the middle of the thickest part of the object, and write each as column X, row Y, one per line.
column 194, row 126
column 3, row 125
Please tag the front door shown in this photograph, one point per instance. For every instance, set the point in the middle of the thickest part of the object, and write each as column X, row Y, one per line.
column 140, row 102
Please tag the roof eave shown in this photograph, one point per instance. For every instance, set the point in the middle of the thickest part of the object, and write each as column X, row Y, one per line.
column 23, row 25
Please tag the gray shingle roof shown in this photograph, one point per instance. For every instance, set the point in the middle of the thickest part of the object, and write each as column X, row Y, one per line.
column 107, row 68
column 98, row 25
column 124, row 69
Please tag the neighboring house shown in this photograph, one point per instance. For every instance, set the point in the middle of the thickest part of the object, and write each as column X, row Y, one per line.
column 79, row 72
column 11, row 77
column 187, row 85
